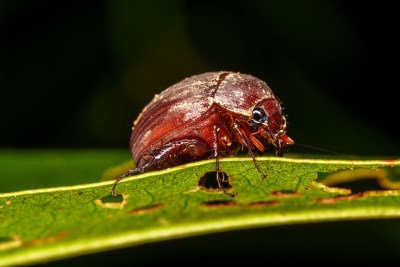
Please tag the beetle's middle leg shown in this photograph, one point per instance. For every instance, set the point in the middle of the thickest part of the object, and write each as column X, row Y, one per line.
column 216, row 155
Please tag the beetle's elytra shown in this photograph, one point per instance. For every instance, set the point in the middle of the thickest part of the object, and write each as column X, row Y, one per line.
column 204, row 116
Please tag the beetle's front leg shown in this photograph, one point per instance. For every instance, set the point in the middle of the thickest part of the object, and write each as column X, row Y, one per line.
column 245, row 141
column 216, row 155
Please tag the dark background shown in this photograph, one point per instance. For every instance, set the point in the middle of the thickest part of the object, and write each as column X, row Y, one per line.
column 75, row 74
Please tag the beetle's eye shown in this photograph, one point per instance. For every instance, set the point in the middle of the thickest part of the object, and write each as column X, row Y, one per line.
column 258, row 116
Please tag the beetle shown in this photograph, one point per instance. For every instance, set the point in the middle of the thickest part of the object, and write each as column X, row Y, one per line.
column 209, row 115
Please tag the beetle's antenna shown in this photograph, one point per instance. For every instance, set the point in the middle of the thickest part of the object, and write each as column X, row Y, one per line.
column 320, row 149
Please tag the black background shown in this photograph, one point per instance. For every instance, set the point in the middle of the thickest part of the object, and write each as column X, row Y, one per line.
column 77, row 73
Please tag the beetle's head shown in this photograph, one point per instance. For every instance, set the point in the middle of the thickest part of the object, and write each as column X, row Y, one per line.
column 267, row 117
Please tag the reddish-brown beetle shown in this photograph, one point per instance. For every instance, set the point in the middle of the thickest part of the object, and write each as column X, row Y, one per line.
column 207, row 115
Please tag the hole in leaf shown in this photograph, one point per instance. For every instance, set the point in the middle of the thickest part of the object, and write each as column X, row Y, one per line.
column 112, row 202
column 360, row 186
column 209, row 181
column 112, row 199
column 362, row 179
column 218, row 203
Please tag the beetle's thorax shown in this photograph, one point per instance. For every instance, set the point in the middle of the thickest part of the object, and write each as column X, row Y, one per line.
column 238, row 93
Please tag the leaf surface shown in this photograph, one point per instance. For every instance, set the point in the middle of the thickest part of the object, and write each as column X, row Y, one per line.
column 46, row 224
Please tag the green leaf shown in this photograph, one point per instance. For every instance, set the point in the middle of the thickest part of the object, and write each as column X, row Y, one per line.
column 22, row 169
column 46, row 224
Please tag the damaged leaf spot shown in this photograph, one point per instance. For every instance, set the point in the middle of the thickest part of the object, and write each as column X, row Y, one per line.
column 333, row 200
column 285, row 193
column 14, row 242
column 146, row 209
column 209, row 182
column 263, row 203
column 46, row 240
column 112, row 202
column 9, row 243
column 218, row 203
column 337, row 190
column 228, row 203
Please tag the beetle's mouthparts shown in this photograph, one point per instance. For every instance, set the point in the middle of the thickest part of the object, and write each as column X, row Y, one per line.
column 286, row 139
column 281, row 142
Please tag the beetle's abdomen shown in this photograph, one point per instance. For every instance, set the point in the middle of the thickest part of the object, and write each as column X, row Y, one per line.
column 178, row 112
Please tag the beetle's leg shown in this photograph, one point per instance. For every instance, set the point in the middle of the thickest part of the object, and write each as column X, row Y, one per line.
column 223, row 179
column 159, row 155
column 216, row 155
column 244, row 140
column 256, row 142
column 132, row 172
